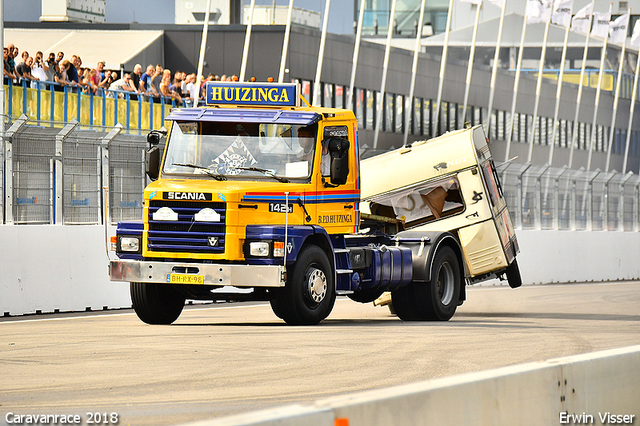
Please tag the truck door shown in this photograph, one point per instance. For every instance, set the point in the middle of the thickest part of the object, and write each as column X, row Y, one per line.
column 337, row 192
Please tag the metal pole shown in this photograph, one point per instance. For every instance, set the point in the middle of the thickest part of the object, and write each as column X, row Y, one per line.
column 616, row 98
column 558, row 95
column 494, row 70
column 538, row 90
column 323, row 39
column 385, row 67
column 631, row 111
column 414, row 72
column 203, row 48
column 516, row 83
column 356, row 53
column 472, row 53
column 285, row 44
column 597, row 102
column 443, row 65
column 574, row 133
column 247, row 40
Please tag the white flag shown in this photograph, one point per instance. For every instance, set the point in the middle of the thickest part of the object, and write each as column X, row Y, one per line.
column 635, row 37
column 618, row 29
column 581, row 22
column 499, row 3
column 562, row 12
column 477, row 2
column 538, row 11
column 601, row 24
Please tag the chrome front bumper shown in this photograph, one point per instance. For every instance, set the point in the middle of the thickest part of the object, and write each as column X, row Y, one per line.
column 214, row 274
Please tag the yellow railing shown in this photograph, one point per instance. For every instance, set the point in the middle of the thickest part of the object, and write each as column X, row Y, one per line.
column 105, row 109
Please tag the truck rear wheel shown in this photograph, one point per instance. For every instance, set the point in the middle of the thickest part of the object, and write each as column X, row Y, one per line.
column 309, row 294
column 435, row 300
column 156, row 303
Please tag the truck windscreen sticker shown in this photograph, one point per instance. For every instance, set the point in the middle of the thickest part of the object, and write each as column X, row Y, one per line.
column 191, row 196
column 237, row 155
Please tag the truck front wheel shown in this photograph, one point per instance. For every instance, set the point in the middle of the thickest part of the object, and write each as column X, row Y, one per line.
column 309, row 294
column 435, row 300
column 156, row 303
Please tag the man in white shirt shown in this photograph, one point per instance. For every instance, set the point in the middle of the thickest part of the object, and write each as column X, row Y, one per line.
column 192, row 89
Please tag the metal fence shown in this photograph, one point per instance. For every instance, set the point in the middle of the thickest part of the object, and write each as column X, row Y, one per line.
column 65, row 174
column 541, row 197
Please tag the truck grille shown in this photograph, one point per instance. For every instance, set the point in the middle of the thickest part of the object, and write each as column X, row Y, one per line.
column 186, row 235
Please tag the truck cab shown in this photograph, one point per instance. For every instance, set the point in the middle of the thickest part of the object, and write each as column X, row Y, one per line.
column 256, row 197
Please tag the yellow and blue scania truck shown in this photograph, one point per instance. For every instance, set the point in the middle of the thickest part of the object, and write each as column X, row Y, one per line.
column 258, row 198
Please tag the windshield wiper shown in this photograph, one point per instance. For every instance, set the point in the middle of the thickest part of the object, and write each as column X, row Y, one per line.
column 266, row 172
column 207, row 170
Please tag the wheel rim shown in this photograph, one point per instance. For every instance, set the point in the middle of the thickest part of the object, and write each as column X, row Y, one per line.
column 316, row 285
column 446, row 283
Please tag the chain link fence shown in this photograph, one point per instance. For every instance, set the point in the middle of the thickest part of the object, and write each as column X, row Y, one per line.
column 56, row 175
column 542, row 197
column 60, row 175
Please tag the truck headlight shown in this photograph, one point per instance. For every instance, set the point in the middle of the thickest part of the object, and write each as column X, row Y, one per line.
column 130, row 244
column 259, row 248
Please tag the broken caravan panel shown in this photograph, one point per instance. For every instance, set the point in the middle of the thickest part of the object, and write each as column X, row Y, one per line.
column 448, row 184
column 266, row 200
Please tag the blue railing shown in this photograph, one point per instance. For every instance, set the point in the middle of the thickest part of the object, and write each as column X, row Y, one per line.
column 44, row 101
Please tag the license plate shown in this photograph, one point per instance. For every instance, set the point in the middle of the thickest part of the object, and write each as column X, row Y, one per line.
column 185, row 279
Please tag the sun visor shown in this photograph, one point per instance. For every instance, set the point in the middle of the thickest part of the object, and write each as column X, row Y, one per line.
column 244, row 115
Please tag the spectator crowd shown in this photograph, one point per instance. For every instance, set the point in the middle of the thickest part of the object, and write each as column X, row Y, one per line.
column 154, row 82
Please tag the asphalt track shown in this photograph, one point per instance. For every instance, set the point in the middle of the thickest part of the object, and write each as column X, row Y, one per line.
column 223, row 359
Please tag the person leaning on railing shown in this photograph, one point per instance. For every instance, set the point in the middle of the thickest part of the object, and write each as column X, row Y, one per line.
column 7, row 69
column 165, row 88
column 62, row 77
column 121, row 85
column 89, row 81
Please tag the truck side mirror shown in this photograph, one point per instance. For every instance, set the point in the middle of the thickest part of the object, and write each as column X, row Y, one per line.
column 339, row 149
column 152, row 156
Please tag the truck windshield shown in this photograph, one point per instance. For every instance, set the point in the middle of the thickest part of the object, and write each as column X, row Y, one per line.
column 241, row 150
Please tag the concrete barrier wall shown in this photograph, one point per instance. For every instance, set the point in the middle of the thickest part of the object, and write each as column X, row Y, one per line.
column 582, row 256
column 48, row 267
column 530, row 394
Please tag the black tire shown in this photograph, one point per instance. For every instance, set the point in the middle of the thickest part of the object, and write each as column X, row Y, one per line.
column 513, row 275
column 156, row 303
column 275, row 307
column 309, row 295
column 435, row 300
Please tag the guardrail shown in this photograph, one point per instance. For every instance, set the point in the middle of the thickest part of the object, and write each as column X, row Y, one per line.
column 49, row 103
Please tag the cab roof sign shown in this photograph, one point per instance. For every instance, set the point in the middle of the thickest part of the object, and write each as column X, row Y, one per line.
column 253, row 94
